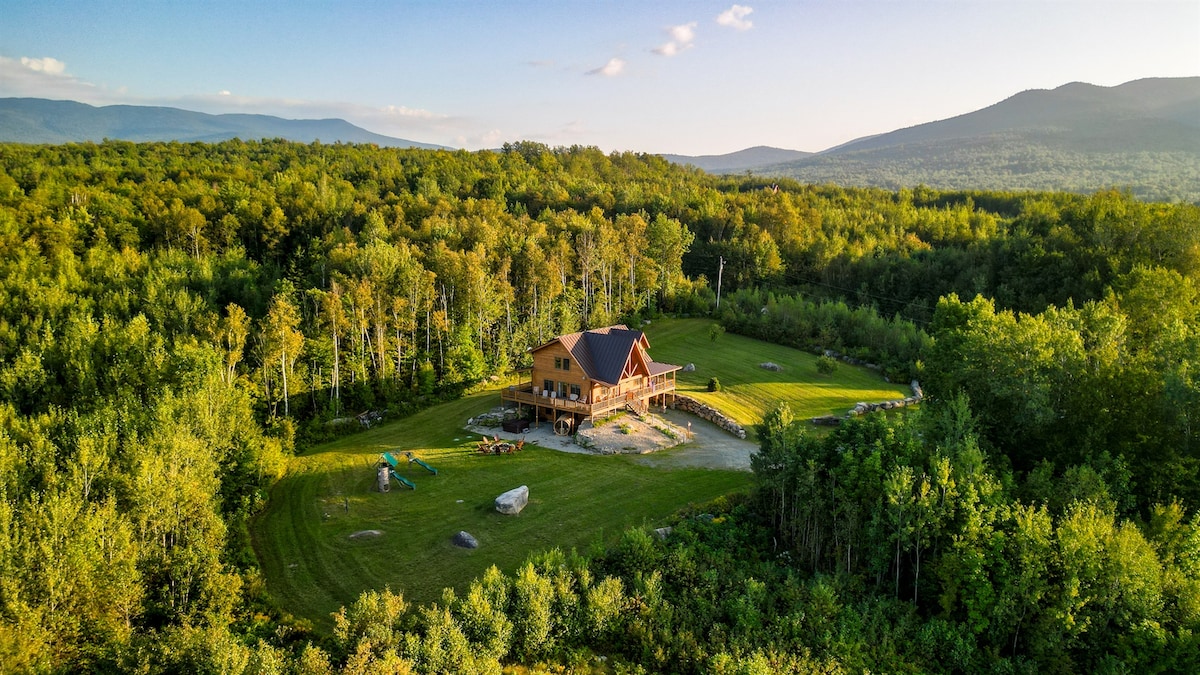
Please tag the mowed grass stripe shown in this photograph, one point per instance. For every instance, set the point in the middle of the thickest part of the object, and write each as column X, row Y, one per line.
column 748, row 391
column 312, row 567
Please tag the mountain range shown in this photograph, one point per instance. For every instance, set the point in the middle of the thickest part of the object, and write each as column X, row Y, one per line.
column 742, row 160
column 35, row 120
column 1142, row 136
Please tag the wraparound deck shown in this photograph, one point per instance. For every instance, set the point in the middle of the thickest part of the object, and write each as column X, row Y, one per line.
column 543, row 401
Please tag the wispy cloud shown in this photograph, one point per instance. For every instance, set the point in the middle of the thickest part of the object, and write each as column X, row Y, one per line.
column 735, row 17
column 682, row 37
column 611, row 69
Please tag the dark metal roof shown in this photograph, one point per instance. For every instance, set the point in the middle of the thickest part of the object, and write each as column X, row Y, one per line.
column 610, row 352
column 603, row 352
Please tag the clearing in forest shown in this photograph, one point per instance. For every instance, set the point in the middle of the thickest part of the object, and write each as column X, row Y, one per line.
column 312, row 565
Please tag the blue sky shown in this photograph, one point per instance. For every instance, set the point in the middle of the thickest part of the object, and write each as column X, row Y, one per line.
column 654, row 76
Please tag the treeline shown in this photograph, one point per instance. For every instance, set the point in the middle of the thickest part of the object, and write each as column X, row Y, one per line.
column 334, row 278
column 1113, row 379
column 1005, row 572
column 896, row 345
column 901, row 251
column 1160, row 176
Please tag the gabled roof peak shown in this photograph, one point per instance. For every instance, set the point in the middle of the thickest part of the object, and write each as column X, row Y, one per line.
column 602, row 352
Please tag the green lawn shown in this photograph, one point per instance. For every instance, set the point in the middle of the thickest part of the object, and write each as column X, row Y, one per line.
column 748, row 391
column 312, row 567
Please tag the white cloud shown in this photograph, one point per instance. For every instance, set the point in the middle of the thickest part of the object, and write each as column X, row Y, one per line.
column 735, row 17
column 668, row 49
column 47, row 65
column 683, row 33
column 414, row 113
column 611, row 69
column 682, row 37
column 45, row 78
column 224, row 92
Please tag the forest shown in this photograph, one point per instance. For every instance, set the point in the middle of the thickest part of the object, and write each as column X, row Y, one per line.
column 177, row 320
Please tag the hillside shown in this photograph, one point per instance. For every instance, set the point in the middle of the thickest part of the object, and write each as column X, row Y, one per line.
column 741, row 160
column 34, row 120
column 1143, row 136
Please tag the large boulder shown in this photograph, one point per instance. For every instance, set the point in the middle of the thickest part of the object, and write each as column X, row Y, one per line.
column 464, row 540
column 510, row 503
column 771, row 366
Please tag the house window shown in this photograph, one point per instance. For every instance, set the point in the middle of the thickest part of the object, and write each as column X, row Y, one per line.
column 547, row 385
column 575, row 390
column 562, row 389
column 562, row 363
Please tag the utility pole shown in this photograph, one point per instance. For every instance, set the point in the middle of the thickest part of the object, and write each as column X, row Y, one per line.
column 720, row 271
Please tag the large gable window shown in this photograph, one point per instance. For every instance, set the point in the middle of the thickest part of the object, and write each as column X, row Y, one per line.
column 562, row 363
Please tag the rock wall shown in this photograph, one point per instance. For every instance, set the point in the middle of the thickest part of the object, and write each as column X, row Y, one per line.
column 864, row 408
column 707, row 412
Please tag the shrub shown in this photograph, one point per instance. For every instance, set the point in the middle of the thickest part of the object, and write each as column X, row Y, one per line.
column 714, row 384
column 826, row 365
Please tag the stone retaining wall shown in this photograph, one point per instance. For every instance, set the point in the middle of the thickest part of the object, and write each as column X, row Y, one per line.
column 864, row 408
column 707, row 412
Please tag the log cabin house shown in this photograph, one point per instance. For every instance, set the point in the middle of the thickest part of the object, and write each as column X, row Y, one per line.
column 585, row 375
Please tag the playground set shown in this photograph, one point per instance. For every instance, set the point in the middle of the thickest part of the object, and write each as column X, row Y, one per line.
column 387, row 470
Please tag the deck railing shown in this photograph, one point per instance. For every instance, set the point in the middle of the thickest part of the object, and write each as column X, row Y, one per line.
column 524, row 395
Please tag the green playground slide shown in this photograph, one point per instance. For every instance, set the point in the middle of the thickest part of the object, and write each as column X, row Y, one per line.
column 428, row 468
column 404, row 481
column 387, row 457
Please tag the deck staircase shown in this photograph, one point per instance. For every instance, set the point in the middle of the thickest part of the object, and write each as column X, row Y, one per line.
column 639, row 408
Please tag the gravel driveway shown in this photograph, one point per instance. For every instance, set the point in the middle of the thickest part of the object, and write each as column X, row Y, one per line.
column 710, row 446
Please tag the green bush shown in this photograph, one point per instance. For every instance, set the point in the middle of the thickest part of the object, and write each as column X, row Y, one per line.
column 714, row 384
column 826, row 365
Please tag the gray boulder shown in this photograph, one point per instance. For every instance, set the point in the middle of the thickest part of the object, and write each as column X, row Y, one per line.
column 771, row 366
column 689, row 368
column 510, row 503
column 464, row 540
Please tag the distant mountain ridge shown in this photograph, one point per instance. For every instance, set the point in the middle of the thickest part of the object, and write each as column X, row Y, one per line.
column 1157, row 112
column 36, row 120
column 1143, row 136
column 741, row 160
